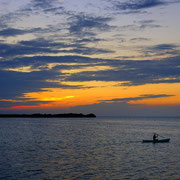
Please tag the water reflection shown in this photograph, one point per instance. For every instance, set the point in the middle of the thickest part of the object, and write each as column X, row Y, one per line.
column 102, row 148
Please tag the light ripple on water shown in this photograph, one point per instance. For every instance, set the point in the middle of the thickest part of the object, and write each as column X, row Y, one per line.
column 101, row 148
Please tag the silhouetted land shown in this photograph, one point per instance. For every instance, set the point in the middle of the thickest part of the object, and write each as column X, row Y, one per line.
column 38, row 115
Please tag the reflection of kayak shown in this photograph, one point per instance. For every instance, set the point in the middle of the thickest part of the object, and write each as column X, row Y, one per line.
column 156, row 141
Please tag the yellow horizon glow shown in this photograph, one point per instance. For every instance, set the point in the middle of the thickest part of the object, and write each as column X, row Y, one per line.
column 99, row 91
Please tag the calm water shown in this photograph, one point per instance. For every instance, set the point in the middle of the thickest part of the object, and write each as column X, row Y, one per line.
column 100, row 148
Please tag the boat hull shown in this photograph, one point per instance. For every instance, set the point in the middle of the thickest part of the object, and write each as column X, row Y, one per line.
column 156, row 141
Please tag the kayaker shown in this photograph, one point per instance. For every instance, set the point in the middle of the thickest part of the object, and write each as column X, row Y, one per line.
column 155, row 137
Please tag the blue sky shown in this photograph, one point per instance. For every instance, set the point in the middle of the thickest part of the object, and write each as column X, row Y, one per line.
column 90, row 56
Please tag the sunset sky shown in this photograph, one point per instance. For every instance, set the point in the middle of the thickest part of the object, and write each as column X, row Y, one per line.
column 108, row 57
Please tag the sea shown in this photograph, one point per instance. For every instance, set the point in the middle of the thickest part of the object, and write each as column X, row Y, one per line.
column 89, row 148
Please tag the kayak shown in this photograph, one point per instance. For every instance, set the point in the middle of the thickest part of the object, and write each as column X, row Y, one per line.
column 156, row 141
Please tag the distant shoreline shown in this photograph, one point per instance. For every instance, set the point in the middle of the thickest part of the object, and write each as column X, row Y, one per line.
column 38, row 115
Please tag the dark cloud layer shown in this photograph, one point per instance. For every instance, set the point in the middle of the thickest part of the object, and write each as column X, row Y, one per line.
column 11, row 50
column 145, row 96
column 14, row 32
column 82, row 25
column 127, row 72
column 14, row 84
column 139, row 39
column 139, row 4
column 42, row 3
column 162, row 49
column 135, row 72
column 42, row 46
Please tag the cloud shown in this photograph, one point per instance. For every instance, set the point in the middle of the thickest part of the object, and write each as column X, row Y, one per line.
column 127, row 72
column 42, row 3
column 144, row 96
column 132, row 73
column 46, row 6
column 162, row 49
column 27, row 9
column 11, row 50
column 140, row 25
column 42, row 43
column 139, row 4
column 148, row 24
column 6, row 103
column 122, row 109
column 14, row 32
column 37, row 61
column 14, row 84
column 82, row 24
column 14, row 13
column 139, row 39
column 89, row 40
column 42, row 68
column 43, row 46
column 88, row 51
column 15, row 81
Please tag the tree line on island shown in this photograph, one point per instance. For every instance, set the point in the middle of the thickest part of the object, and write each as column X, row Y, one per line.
column 39, row 115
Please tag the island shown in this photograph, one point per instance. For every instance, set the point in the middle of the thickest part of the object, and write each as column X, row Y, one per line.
column 39, row 115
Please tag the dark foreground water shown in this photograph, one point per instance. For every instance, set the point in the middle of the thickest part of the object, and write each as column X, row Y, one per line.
column 100, row 148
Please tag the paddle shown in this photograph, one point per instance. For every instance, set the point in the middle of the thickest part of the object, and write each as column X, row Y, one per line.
column 161, row 136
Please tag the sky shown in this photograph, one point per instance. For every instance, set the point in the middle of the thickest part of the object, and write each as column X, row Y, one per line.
column 108, row 57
